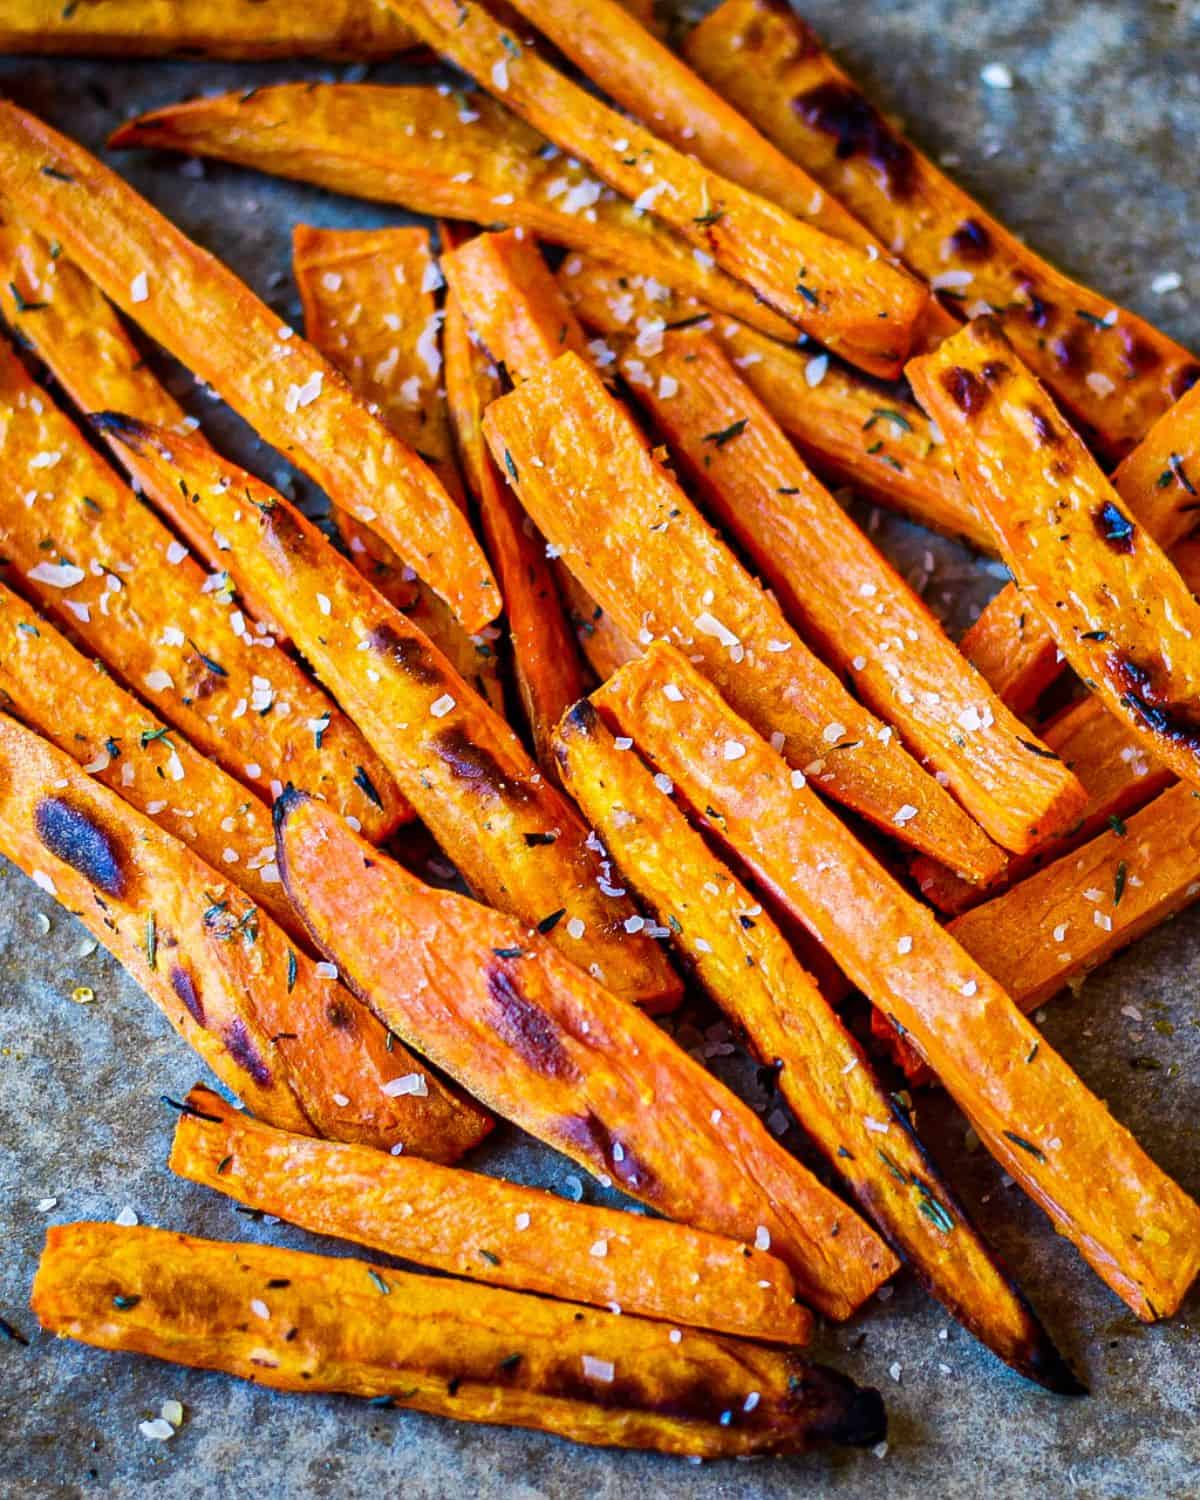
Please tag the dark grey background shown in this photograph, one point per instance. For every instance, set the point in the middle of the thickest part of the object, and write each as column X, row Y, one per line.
column 1092, row 156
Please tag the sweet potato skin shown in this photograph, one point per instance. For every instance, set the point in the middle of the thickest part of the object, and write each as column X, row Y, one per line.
column 749, row 969
column 150, row 620
column 485, row 1229
column 515, row 838
column 577, row 455
column 195, row 307
column 500, row 1010
column 847, row 600
column 436, row 1345
column 425, row 150
column 1118, row 610
column 1081, row 1165
column 1113, row 371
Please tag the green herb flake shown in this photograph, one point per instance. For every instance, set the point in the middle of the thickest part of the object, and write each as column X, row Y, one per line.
column 1027, row 1146
column 492, row 1260
column 510, row 465
column 365, row 785
column 152, row 941
column 22, row 305
column 381, row 1286
column 509, row 952
column 510, row 1361
column 1119, row 882
column 727, row 434
column 1117, row 825
column 124, row 1303
column 291, row 971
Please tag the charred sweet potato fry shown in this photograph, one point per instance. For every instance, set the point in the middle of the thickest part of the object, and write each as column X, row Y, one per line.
column 499, row 1009
column 1119, row 611
column 436, row 152
column 103, row 566
column 516, row 840
column 488, row 1230
column 747, row 966
column 857, row 303
column 370, row 308
column 300, row 1322
column 577, row 459
column 199, row 310
column 1139, row 1231
column 830, row 411
column 354, row 29
column 1111, row 369
column 301, row 1052
column 846, row 599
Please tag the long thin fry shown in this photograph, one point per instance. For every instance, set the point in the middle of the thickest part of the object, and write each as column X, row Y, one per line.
column 1110, row 368
column 1119, row 611
column 200, row 311
column 489, row 1230
column 502, row 1011
column 746, row 964
column 516, row 840
column 475, row 1353
column 301, row 1052
column 602, row 641
column 585, row 473
column 106, row 569
column 847, row 600
column 1137, row 1228
column 863, row 307
column 460, row 156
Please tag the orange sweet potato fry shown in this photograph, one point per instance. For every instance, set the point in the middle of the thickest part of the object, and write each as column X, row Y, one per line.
column 1113, row 371
column 1139, row 1231
column 503, row 1012
column 103, row 566
column 516, row 840
column 749, row 969
column 846, row 599
column 451, row 1348
column 488, row 1230
column 602, row 641
column 1118, row 610
column 299, row 1050
column 575, row 456
column 829, row 410
column 1064, row 921
column 436, row 152
column 857, row 303
column 195, row 307
column 370, row 308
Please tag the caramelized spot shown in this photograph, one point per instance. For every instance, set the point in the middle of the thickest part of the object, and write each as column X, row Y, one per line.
column 1114, row 527
column 1173, row 721
column 73, row 837
column 181, row 983
column 1137, row 356
column 471, row 762
column 1048, row 435
column 840, row 111
column 1183, row 380
column 283, row 528
column 966, row 390
column 339, row 1015
column 971, row 241
column 526, row 1027
column 589, row 1134
column 994, row 371
column 1072, row 351
column 1040, row 312
column 409, row 654
column 242, row 1050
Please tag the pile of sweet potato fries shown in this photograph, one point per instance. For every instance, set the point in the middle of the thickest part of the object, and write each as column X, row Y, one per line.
column 594, row 616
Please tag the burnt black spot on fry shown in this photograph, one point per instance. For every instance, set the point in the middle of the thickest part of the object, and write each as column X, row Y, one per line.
column 527, row 1029
column 1047, row 433
column 837, row 110
column 971, row 241
column 1137, row 356
column 244, row 1053
column 965, row 389
column 410, row 655
column 339, row 1015
column 79, row 841
column 181, row 983
column 472, row 763
column 1183, row 380
column 1176, row 722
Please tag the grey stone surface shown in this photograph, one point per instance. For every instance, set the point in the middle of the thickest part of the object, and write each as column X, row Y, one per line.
column 1092, row 156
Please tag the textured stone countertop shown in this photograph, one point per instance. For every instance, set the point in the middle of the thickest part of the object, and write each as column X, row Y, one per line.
column 1092, row 156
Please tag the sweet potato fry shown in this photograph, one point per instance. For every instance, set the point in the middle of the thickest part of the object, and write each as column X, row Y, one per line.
column 1139, row 1231
column 476, row 1353
column 1119, row 611
column 516, row 840
column 1111, row 369
column 602, row 641
column 488, row 1230
column 1062, row 922
column 301, row 1052
column 370, row 309
column 749, row 969
column 353, row 29
column 847, row 600
column 830, row 411
column 454, row 155
column 103, row 566
column 195, row 307
column 575, row 456
column 503, row 1012
column 862, row 307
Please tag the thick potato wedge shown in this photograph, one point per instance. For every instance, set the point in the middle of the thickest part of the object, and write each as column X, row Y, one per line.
column 274, row 1028
column 576, row 457
column 500, row 1010
column 488, row 1230
column 1106, row 591
column 199, row 310
column 1137, row 1228
column 104, row 567
column 1111, row 369
column 451, row 1348
column 742, row 959
column 515, row 838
